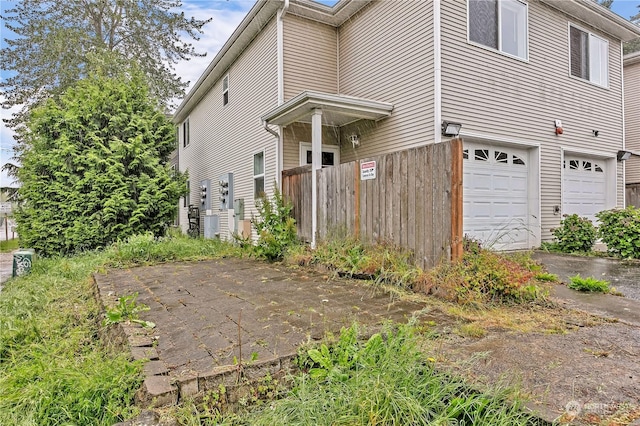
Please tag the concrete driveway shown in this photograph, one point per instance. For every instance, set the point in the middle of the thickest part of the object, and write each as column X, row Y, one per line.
column 623, row 275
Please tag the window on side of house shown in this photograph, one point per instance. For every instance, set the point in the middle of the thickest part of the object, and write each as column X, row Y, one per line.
column 185, row 133
column 330, row 154
column 499, row 24
column 225, row 90
column 258, row 174
column 589, row 56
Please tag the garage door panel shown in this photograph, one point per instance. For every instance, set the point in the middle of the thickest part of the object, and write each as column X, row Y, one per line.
column 496, row 205
column 584, row 186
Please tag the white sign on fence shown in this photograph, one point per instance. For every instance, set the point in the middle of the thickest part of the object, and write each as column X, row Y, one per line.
column 5, row 208
column 368, row 170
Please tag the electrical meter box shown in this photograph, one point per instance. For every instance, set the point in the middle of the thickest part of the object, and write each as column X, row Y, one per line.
column 205, row 195
column 225, row 184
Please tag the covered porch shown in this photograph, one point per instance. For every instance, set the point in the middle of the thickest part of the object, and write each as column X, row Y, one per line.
column 312, row 132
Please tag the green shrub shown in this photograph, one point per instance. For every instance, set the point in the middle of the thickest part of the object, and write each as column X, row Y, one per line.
column 588, row 284
column 275, row 227
column 94, row 168
column 620, row 231
column 575, row 235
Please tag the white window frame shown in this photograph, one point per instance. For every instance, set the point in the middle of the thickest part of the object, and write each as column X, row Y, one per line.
column 499, row 30
column 591, row 36
column 259, row 175
column 186, row 133
column 306, row 146
column 225, row 90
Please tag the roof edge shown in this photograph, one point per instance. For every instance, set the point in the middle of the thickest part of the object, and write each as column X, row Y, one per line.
column 232, row 48
column 588, row 11
column 631, row 58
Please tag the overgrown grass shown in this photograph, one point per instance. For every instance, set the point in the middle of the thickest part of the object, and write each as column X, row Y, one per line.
column 482, row 276
column 54, row 370
column 386, row 380
column 383, row 263
column 9, row 245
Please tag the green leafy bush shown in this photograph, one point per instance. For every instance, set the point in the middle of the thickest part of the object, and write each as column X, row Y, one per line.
column 620, row 231
column 94, row 168
column 275, row 227
column 588, row 284
column 575, row 235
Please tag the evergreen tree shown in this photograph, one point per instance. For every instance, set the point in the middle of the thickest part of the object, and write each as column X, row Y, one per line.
column 94, row 167
column 59, row 42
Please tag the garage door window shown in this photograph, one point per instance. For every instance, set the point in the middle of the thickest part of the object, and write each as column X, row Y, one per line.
column 584, row 166
column 499, row 157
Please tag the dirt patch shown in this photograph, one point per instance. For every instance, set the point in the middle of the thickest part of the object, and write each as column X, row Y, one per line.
column 585, row 375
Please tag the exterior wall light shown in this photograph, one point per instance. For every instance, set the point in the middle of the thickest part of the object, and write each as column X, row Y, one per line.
column 451, row 129
column 623, row 155
column 558, row 124
column 355, row 140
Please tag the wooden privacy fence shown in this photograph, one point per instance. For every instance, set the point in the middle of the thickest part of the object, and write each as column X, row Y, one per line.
column 414, row 201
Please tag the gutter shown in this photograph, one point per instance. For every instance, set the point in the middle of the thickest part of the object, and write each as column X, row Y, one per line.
column 280, row 52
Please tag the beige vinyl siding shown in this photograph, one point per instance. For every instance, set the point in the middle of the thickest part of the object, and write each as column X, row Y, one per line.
column 310, row 57
column 224, row 139
column 386, row 54
column 632, row 120
column 496, row 95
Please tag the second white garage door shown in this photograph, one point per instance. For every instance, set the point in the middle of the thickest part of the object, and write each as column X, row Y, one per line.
column 496, row 194
column 584, row 186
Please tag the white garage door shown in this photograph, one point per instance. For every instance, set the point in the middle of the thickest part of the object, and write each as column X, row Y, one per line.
column 496, row 193
column 584, row 187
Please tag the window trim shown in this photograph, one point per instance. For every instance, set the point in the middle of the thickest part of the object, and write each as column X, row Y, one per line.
column 186, row 133
column 261, row 175
column 590, row 34
column 225, row 92
column 306, row 146
column 499, row 24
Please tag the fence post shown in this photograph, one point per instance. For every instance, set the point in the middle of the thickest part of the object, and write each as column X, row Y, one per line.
column 456, row 199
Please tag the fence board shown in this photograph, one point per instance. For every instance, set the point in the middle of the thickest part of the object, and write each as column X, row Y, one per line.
column 415, row 201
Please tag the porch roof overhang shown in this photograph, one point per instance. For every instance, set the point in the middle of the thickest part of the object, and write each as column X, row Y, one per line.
column 337, row 110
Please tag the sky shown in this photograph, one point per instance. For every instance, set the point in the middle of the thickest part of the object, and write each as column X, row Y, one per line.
column 226, row 15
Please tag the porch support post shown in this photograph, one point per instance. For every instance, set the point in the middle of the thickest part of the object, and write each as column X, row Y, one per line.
column 316, row 163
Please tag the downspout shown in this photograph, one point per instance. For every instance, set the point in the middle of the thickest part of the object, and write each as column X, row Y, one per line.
column 624, row 130
column 280, row 59
column 437, row 73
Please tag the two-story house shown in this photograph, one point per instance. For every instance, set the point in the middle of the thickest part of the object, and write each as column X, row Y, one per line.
column 632, row 126
column 535, row 84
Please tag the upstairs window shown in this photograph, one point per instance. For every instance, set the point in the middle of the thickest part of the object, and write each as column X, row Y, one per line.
column 500, row 25
column 589, row 56
column 258, row 174
column 225, row 90
column 185, row 133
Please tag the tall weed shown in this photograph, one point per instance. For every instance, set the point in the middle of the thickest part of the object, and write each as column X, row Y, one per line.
column 385, row 380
